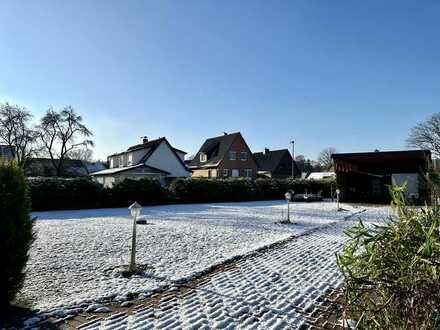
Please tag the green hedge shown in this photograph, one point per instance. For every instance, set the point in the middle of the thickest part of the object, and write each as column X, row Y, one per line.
column 60, row 193
column 16, row 233
column 78, row 193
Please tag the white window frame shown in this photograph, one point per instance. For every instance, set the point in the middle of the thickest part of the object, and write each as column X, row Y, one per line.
column 225, row 172
column 248, row 172
column 245, row 154
column 130, row 159
column 203, row 157
column 237, row 171
column 232, row 155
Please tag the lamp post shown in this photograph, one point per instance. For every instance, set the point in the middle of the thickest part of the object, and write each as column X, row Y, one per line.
column 135, row 210
column 337, row 197
column 293, row 158
column 288, row 195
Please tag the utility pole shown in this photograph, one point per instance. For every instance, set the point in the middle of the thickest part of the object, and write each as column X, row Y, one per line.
column 293, row 159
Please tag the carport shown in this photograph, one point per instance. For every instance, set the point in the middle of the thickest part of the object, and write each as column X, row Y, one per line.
column 365, row 177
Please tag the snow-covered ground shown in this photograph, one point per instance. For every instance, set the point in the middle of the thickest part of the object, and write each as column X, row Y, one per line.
column 284, row 287
column 76, row 254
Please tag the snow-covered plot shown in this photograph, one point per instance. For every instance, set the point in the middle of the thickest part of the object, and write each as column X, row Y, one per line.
column 76, row 254
column 284, row 287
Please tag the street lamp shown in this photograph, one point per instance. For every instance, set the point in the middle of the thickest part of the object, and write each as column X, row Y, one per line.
column 293, row 158
column 135, row 210
column 337, row 198
column 288, row 195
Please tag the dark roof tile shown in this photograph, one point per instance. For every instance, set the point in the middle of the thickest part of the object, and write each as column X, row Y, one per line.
column 215, row 148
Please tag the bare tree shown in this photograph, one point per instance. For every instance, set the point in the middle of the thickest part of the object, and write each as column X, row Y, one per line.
column 325, row 157
column 62, row 133
column 426, row 135
column 83, row 154
column 16, row 133
column 300, row 161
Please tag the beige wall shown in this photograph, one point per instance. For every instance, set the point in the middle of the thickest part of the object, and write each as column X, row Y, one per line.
column 204, row 173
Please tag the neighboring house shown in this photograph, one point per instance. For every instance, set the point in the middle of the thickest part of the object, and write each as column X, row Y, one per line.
column 321, row 175
column 44, row 167
column 276, row 164
column 152, row 159
column 6, row 152
column 366, row 176
column 223, row 157
column 95, row 166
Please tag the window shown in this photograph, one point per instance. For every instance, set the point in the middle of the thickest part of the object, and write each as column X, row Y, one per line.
column 130, row 159
column 225, row 172
column 112, row 162
column 121, row 161
column 203, row 157
column 243, row 155
column 235, row 172
column 248, row 173
column 232, row 155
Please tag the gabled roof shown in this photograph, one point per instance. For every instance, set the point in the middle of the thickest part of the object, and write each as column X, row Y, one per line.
column 115, row 170
column 270, row 159
column 150, row 147
column 153, row 144
column 215, row 149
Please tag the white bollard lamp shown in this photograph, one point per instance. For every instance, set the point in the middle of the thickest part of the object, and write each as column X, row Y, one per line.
column 135, row 211
column 337, row 198
column 288, row 195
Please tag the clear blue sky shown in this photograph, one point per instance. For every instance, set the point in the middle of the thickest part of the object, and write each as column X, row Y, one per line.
column 356, row 75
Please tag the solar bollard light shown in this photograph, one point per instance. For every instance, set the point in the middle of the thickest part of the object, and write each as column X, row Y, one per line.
column 135, row 211
column 288, row 195
column 337, row 198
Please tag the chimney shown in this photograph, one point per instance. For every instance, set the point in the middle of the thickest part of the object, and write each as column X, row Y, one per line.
column 224, row 133
column 144, row 139
column 266, row 151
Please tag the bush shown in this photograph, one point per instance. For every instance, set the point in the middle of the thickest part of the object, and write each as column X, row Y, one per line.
column 61, row 193
column 79, row 193
column 16, row 234
column 145, row 191
column 211, row 190
column 392, row 270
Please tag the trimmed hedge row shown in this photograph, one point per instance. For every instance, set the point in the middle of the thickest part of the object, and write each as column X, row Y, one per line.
column 16, row 232
column 78, row 193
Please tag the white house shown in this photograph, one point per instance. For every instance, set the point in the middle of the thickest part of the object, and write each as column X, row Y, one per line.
column 321, row 175
column 153, row 159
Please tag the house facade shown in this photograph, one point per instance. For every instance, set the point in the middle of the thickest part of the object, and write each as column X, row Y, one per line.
column 149, row 159
column 224, row 156
column 276, row 164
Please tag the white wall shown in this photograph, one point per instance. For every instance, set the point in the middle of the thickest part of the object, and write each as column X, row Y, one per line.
column 165, row 159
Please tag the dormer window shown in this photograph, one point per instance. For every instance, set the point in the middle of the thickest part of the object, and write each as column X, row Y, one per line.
column 203, row 157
